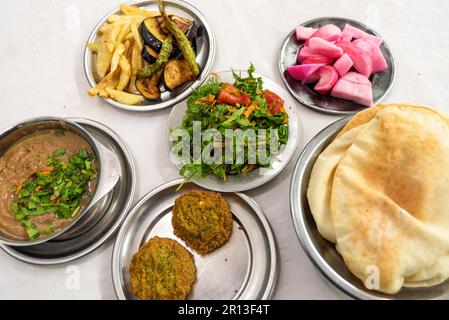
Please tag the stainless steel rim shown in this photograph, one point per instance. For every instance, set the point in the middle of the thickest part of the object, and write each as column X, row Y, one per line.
column 323, row 253
column 159, row 106
column 116, row 224
column 298, row 217
column 117, row 274
column 299, row 223
column 90, row 140
column 329, row 111
column 274, row 271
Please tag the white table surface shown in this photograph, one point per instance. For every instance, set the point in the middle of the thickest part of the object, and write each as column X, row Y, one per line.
column 41, row 73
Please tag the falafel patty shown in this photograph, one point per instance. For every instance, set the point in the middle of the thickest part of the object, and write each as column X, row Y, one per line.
column 203, row 220
column 162, row 269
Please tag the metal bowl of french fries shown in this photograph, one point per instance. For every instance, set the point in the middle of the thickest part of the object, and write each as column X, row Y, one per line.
column 137, row 59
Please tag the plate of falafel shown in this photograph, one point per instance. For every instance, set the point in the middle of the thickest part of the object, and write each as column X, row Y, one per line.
column 194, row 244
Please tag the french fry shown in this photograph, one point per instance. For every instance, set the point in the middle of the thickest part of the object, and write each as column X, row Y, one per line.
column 111, row 85
column 128, row 10
column 104, row 28
column 103, row 93
column 125, row 19
column 129, row 36
column 112, row 36
column 115, row 18
column 136, row 35
column 92, row 46
column 127, row 44
column 116, row 56
column 126, row 28
column 136, row 64
column 104, row 57
column 103, row 83
column 125, row 73
column 132, row 84
column 119, row 55
column 136, row 59
column 124, row 97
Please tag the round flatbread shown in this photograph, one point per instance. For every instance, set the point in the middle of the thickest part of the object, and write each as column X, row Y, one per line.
column 320, row 186
column 368, row 114
column 321, row 180
column 389, row 196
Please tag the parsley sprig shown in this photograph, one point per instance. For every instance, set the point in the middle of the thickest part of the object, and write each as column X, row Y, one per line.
column 58, row 188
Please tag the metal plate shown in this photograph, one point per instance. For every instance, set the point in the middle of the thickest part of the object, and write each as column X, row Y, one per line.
column 381, row 82
column 105, row 169
column 244, row 268
column 322, row 252
column 259, row 176
column 206, row 47
column 100, row 222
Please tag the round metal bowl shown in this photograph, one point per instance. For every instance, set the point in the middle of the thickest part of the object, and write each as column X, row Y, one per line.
column 206, row 47
column 107, row 164
column 322, row 252
column 381, row 82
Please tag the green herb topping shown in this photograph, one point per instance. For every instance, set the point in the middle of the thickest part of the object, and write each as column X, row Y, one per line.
column 56, row 188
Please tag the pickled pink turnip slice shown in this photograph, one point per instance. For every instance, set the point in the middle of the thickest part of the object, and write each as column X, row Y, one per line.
column 303, row 71
column 356, row 78
column 329, row 32
column 313, row 78
column 347, row 35
column 343, row 64
column 304, row 52
column 357, row 33
column 304, row 33
column 328, row 77
column 317, row 59
column 378, row 61
column 354, row 87
column 361, row 59
column 325, row 48
column 306, row 56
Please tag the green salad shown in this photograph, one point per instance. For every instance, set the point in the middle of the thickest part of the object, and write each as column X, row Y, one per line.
column 243, row 105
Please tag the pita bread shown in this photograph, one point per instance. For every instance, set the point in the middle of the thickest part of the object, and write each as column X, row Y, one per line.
column 363, row 117
column 320, row 186
column 367, row 115
column 321, row 179
column 389, row 195
column 432, row 276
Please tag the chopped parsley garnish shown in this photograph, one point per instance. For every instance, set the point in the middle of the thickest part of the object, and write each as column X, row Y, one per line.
column 55, row 188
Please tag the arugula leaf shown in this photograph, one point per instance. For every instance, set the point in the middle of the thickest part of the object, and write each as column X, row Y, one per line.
column 202, row 106
column 228, row 123
column 250, row 84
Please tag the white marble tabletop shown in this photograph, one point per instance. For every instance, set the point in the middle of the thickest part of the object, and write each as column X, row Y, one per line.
column 41, row 73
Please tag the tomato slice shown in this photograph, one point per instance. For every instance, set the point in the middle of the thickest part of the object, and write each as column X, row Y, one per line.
column 231, row 95
column 275, row 103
